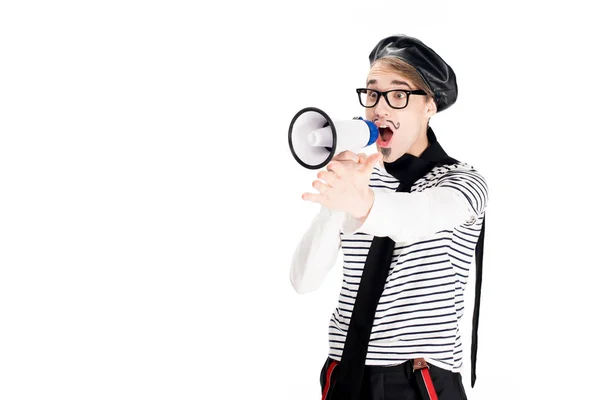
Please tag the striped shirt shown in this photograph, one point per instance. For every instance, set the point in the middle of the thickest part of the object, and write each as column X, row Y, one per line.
column 435, row 227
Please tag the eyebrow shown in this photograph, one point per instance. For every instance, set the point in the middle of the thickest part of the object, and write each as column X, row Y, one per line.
column 394, row 82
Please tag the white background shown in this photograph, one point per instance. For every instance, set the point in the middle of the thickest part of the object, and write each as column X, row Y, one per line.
column 149, row 203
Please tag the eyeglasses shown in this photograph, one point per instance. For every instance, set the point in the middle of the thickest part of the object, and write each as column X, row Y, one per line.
column 369, row 98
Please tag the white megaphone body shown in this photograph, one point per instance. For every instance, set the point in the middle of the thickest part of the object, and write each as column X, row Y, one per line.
column 315, row 139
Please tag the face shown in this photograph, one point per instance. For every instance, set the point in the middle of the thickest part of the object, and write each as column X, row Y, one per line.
column 401, row 130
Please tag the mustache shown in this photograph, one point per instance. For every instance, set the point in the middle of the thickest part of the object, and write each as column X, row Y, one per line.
column 394, row 124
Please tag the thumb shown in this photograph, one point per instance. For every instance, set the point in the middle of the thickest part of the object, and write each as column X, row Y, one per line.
column 362, row 157
column 371, row 161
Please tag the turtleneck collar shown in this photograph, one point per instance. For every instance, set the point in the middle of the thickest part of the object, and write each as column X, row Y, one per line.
column 409, row 168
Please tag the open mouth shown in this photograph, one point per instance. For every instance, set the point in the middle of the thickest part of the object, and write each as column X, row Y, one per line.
column 385, row 136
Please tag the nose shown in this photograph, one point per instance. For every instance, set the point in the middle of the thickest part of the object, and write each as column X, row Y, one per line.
column 382, row 108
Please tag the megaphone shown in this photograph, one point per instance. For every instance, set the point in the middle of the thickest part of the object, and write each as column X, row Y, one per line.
column 315, row 139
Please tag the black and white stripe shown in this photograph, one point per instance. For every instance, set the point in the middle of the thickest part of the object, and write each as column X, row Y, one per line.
column 423, row 299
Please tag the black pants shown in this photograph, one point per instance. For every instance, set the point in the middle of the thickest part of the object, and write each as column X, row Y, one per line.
column 399, row 383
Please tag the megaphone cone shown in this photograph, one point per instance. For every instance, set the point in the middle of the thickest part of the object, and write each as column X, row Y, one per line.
column 314, row 139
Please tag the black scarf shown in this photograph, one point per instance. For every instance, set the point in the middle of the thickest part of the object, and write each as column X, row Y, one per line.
column 407, row 169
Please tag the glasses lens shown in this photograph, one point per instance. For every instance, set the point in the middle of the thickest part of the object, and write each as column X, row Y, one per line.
column 398, row 98
column 368, row 98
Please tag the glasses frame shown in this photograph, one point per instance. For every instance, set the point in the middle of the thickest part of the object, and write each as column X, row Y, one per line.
column 385, row 95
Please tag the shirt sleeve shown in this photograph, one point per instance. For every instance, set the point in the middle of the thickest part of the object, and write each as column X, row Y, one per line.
column 317, row 251
column 458, row 198
column 471, row 185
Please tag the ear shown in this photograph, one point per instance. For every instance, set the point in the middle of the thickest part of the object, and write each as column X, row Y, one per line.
column 430, row 107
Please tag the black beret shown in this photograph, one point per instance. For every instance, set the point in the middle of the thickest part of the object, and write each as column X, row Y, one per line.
column 432, row 68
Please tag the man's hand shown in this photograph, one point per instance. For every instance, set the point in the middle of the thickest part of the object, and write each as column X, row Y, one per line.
column 350, row 159
column 345, row 184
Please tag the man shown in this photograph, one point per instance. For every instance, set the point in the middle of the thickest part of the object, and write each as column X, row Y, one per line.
column 408, row 219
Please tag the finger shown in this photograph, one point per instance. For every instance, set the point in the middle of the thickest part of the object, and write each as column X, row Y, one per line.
column 338, row 168
column 362, row 158
column 329, row 177
column 347, row 164
column 320, row 186
column 346, row 155
column 314, row 197
column 371, row 161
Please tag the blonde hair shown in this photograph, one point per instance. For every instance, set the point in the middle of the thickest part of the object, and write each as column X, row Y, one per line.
column 401, row 67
